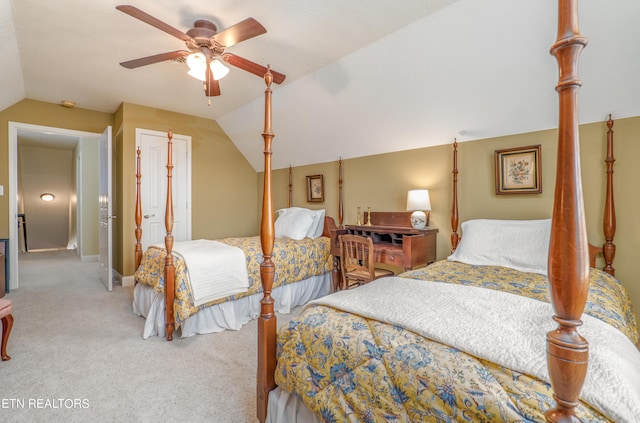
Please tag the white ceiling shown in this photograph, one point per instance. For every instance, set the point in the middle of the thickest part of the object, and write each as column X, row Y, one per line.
column 363, row 76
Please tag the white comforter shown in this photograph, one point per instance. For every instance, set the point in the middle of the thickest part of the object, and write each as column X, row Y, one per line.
column 215, row 270
column 507, row 329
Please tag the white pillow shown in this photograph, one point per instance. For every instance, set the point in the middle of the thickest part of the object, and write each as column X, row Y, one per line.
column 519, row 244
column 318, row 224
column 293, row 223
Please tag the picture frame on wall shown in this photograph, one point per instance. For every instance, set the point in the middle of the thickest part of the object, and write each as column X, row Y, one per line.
column 518, row 170
column 315, row 189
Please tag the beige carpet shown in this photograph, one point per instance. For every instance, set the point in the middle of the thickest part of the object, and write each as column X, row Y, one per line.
column 78, row 356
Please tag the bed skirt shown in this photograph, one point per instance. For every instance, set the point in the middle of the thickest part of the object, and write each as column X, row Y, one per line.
column 286, row 407
column 230, row 315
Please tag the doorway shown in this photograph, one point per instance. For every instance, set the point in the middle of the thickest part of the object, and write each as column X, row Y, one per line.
column 79, row 212
column 153, row 145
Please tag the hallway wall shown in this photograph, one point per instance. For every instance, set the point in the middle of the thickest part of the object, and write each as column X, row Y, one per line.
column 46, row 170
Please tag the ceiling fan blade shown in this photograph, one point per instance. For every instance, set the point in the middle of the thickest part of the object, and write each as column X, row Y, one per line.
column 149, row 60
column 211, row 86
column 252, row 67
column 147, row 18
column 241, row 31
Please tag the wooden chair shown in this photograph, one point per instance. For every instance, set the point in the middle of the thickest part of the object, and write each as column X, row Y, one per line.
column 357, row 262
column 7, row 323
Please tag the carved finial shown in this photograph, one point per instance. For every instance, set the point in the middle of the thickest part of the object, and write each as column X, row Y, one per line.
column 268, row 77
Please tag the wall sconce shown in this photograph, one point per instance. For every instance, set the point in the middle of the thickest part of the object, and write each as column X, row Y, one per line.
column 47, row 197
column 418, row 202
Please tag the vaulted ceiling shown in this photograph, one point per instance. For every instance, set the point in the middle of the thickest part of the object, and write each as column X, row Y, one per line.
column 363, row 76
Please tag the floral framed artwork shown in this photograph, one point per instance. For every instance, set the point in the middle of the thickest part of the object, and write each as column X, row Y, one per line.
column 519, row 170
column 315, row 189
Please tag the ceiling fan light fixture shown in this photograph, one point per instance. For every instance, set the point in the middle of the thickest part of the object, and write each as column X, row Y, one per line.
column 219, row 70
column 197, row 65
column 197, row 74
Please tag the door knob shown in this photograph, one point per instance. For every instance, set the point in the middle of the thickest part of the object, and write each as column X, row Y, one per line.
column 146, row 216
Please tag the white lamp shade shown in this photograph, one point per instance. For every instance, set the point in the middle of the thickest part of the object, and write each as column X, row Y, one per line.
column 197, row 63
column 418, row 199
column 219, row 70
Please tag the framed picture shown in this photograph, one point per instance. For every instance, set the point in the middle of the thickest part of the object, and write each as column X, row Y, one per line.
column 519, row 170
column 315, row 189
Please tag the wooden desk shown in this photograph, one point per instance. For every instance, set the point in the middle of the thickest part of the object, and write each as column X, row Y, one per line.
column 396, row 243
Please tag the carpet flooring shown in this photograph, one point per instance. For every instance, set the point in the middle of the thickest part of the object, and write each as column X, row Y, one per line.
column 78, row 356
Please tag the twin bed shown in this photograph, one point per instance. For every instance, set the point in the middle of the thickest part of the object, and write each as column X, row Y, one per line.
column 215, row 285
column 506, row 329
column 549, row 338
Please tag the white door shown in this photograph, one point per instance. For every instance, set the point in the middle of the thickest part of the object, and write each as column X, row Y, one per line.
column 105, row 211
column 153, row 185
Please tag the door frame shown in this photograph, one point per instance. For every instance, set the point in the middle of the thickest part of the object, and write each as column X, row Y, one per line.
column 140, row 132
column 105, row 191
column 14, row 127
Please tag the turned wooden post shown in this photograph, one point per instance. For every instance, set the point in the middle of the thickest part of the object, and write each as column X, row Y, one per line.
column 290, row 186
column 340, row 195
column 169, row 270
column 567, row 351
column 138, row 231
column 609, row 248
column 267, row 320
column 455, row 238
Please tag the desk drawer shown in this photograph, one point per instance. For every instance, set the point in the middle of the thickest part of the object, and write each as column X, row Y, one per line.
column 391, row 256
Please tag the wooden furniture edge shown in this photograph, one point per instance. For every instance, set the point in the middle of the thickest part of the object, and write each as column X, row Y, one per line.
column 608, row 249
column 267, row 321
column 138, row 216
column 455, row 218
column 567, row 350
column 169, row 269
column 265, row 377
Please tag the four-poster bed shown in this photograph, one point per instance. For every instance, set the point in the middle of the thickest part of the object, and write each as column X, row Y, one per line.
column 304, row 272
column 340, row 360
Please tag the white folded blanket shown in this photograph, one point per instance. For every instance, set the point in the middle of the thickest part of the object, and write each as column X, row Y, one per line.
column 215, row 270
column 507, row 329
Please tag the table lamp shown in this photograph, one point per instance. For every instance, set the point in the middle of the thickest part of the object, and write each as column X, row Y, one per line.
column 418, row 202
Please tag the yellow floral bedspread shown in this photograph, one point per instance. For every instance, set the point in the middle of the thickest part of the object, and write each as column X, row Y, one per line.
column 294, row 261
column 347, row 368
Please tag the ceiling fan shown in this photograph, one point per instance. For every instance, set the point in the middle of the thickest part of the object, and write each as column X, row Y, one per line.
column 205, row 49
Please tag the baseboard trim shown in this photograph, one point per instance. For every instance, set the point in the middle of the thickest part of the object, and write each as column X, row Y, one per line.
column 128, row 280
column 87, row 259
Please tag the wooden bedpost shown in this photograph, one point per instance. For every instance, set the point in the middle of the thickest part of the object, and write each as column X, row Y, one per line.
column 290, row 186
column 455, row 237
column 267, row 320
column 138, row 231
column 567, row 351
column 340, row 195
column 169, row 270
column 609, row 248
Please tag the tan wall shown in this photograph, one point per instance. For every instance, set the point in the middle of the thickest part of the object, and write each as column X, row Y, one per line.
column 223, row 182
column 47, row 170
column 45, row 114
column 382, row 181
column 224, row 189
